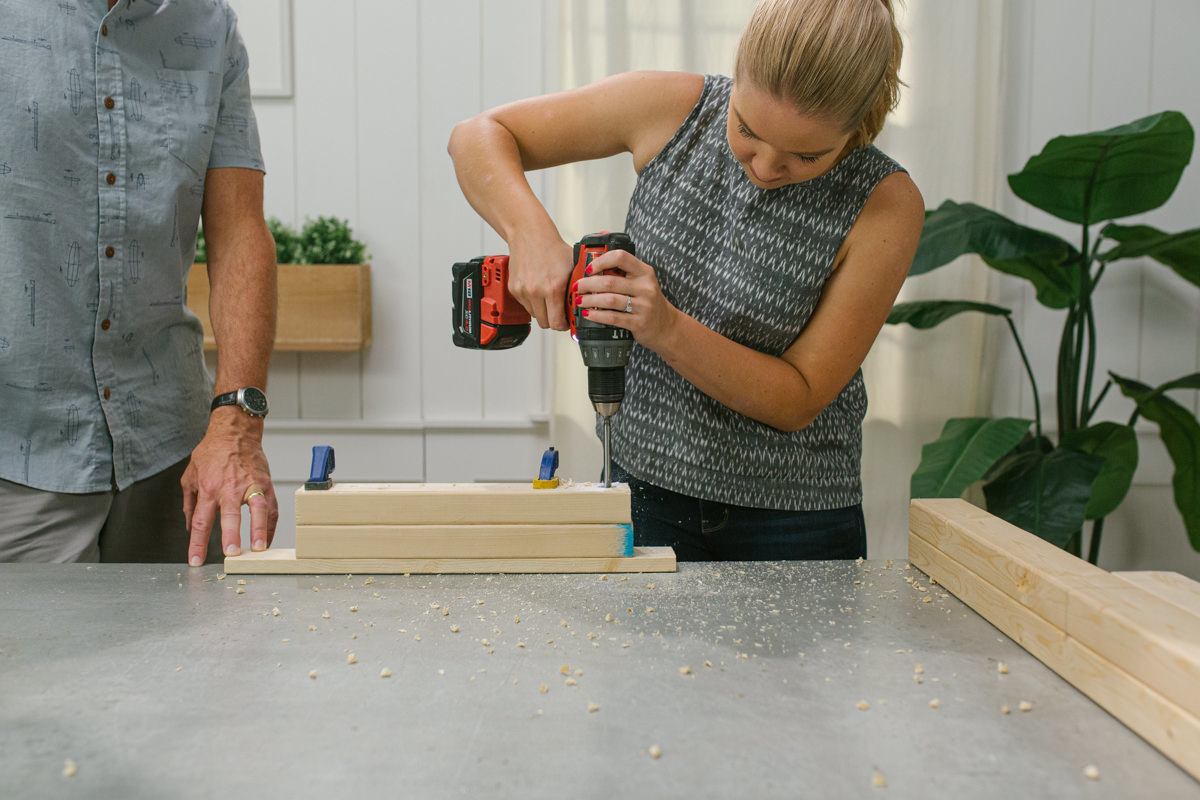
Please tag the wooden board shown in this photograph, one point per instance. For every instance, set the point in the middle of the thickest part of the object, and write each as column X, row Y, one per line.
column 1042, row 639
column 1026, row 568
column 284, row 562
column 1156, row 718
column 1152, row 639
column 1170, row 586
column 463, row 541
column 462, row 504
column 321, row 306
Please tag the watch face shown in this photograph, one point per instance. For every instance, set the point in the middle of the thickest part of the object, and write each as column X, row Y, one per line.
column 254, row 401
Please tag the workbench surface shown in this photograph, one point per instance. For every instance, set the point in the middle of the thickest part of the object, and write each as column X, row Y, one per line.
column 158, row 681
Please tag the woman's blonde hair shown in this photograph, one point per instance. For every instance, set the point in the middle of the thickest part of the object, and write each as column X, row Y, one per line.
column 835, row 59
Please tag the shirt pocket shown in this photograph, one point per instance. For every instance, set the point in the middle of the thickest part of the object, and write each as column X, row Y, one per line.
column 189, row 101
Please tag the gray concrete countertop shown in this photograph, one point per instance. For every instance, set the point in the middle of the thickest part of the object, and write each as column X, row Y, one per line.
column 159, row 681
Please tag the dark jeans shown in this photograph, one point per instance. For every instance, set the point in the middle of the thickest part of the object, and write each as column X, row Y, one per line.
column 703, row 530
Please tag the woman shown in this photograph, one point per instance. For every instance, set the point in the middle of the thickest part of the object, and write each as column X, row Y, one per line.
column 772, row 239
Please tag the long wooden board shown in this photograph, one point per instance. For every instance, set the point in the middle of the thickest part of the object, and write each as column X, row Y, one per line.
column 1152, row 639
column 1170, row 586
column 1028, row 569
column 463, row 541
column 462, row 504
column 1156, row 718
column 284, row 562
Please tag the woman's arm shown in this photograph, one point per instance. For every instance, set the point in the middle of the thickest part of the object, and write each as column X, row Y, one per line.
column 786, row 392
column 635, row 112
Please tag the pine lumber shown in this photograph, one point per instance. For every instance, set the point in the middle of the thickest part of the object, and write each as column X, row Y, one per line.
column 1158, row 719
column 283, row 561
column 1170, row 586
column 463, row 541
column 462, row 504
column 1153, row 639
column 1025, row 627
column 1027, row 568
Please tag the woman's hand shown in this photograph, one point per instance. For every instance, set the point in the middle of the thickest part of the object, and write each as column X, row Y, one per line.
column 632, row 300
column 538, row 269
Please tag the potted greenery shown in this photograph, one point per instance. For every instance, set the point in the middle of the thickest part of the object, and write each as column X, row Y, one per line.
column 1051, row 488
column 324, row 287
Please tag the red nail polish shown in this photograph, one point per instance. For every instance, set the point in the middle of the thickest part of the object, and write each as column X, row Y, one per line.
column 584, row 312
column 587, row 270
column 574, row 287
column 578, row 301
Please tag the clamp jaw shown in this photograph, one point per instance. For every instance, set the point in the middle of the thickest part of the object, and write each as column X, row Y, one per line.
column 322, row 467
column 546, row 478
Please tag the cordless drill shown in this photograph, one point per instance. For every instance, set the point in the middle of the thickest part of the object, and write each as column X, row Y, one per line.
column 488, row 317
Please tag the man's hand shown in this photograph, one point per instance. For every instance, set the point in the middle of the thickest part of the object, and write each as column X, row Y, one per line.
column 228, row 469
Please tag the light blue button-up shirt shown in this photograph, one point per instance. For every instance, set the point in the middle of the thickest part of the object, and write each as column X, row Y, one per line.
column 109, row 121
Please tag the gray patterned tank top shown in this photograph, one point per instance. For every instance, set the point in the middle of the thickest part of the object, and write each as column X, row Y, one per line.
column 750, row 264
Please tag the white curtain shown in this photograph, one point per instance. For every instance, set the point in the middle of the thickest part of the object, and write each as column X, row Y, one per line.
column 945, row 132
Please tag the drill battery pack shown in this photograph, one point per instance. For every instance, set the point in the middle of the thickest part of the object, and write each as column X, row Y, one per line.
column 486, row 315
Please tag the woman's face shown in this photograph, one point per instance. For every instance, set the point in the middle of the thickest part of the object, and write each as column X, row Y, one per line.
column 777, row 145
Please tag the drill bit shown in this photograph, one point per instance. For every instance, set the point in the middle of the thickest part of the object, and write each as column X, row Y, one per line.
column 607, row 452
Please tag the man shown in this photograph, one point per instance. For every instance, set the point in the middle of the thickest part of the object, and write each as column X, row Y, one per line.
column 121, row 123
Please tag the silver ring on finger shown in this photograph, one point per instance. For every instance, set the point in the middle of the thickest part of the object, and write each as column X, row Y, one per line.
column 628, row 304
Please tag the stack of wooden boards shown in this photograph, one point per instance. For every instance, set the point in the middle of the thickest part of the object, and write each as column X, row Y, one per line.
column 1130, row 641
column 386, row 528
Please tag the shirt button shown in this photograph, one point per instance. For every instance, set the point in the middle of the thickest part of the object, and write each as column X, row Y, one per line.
column 108, row 102
column 107, row 393
column 109, row 252
column 110, row 178
column 104, row 325
column 104, row 30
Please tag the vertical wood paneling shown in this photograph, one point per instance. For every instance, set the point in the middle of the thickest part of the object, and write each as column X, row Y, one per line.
column 1059, row 103
column 1120, row 74
column 513, row 42
column 390, row 212
column 1011, row 391
column 450, row 90
column 1171, row 305
column 326, row 102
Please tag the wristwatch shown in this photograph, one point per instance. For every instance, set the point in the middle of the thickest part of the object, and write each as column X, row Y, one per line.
column 250, row 399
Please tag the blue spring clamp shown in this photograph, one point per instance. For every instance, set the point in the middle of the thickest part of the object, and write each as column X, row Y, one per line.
column 322, row 467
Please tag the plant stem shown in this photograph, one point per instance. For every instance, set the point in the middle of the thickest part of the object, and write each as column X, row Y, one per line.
column 1086, row 287
column 1066, row 380
column 1094, row 545
column 1099, row 398
column 1037, row 402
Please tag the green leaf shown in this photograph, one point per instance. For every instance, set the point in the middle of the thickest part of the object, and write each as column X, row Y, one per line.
column 966, row 449
column 1044, row 259
column 1117, row 445
column 1179, row 251
column 926, row 314
column 1045, row 493
column 1091, row 177
column 1180, row 433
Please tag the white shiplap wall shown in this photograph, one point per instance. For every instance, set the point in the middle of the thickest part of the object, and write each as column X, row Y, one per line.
column 1082, row 65
column 378, row 85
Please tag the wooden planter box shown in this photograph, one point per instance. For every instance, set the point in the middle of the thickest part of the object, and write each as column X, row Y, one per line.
column 321, row 306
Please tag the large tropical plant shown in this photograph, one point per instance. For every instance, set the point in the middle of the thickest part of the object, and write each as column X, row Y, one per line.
column 1052, row 488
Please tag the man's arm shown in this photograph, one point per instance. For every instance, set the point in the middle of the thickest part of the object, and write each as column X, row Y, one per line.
column 229, row 463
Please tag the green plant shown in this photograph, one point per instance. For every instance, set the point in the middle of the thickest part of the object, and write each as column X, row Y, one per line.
column 324, row 240
column 1053, row 488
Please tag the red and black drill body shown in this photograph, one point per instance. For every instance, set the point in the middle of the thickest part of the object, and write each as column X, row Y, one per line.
column 488, row 317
